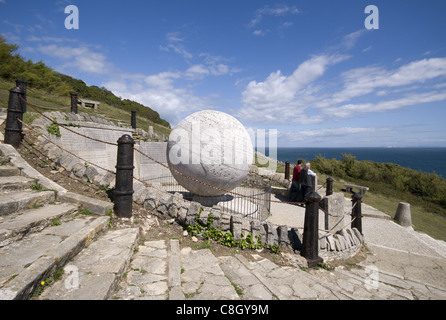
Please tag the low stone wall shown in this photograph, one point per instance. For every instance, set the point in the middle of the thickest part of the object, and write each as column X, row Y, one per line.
column 260, row 177
column 343, row 244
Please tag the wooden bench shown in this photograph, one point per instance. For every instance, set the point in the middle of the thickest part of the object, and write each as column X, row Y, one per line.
column 362, row 190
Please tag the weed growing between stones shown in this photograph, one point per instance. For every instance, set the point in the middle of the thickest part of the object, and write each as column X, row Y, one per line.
column 226, row 238
column 54, row 128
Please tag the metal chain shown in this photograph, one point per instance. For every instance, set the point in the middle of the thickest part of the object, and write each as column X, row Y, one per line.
column 66, row 128
column 164, row 165
column 209, row 185
column 193, row 179
column 48, row 139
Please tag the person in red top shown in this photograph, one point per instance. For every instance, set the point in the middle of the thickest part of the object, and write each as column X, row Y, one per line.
column 295, row 185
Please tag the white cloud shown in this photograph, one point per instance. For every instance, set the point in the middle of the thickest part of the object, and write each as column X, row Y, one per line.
column 258, row 33
column 280, row 94
column 81, row 58
column 175, row 44
column 351, row 110
column 34, row 38
column 162, row 92
column 364, row 136
column 305, row 92
column 279, row 10
column 159, row 93
column 350, row 40
column 361, row 81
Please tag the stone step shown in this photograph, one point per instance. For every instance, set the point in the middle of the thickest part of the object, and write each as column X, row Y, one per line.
column 15, row 226
column 7, row 171
column 160, row 270
column 174, row 271
column 17, row 201
column 251, row 286
column 147, row 276
column 15, row 183
column 203, row 279
column 26, row 263
column 95, row 272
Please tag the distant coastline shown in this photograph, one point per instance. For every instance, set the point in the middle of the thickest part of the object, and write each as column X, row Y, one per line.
column 427, row 160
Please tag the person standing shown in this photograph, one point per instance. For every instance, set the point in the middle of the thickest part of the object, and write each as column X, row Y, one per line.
column 306, row 181
column 295, row 185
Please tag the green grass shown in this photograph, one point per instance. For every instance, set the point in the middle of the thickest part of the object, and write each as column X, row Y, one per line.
column 422, row 220
column 63, row 103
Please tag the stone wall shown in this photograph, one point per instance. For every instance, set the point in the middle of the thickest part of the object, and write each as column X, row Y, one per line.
column 342, row 244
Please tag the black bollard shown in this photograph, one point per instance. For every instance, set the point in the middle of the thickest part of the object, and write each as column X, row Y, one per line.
column 329, row 190
column 73, row 102
column 123, row 194
column 356, row 212
column 21, row 83
column 310, row 241
column 287, row 170
column 13, row 127
column 134, row 119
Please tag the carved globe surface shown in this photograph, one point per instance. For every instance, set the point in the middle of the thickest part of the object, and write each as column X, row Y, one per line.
column 210, row 146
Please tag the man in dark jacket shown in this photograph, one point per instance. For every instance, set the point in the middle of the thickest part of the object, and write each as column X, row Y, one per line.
column 306, row 181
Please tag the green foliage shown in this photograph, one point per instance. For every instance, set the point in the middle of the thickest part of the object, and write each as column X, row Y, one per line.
column 40, row 76
column 85, row 212
column 36, row 186
column 227, row 238
column 382, row 176
column 54, row 129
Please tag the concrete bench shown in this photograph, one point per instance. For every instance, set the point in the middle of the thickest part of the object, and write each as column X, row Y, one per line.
column 84, row 103
column 362, row 190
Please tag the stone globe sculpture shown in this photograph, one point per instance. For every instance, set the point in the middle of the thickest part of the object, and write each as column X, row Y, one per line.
column 210, row 146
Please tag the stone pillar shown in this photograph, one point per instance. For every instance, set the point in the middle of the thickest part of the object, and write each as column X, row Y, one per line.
column 310, row 243
column 123, row 194
column 403, row 216
column 334, row 205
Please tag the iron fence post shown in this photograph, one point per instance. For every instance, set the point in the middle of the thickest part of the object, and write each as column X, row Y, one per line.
column 13, row 127
column 134, row 119
column 73, row 102
column 21, row 83
column 287, row 170
column 310, row 241
column 123, row 194
column 356, row 212
column 329, row 190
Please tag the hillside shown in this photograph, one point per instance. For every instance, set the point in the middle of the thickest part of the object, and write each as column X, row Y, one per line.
column 51, row 89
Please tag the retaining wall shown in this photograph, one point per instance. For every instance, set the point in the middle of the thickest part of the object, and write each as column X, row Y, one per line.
column 343, row 244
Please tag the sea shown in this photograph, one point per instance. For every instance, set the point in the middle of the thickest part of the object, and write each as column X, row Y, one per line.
column 429, row 160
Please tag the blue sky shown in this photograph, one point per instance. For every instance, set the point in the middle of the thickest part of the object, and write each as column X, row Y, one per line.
column 309, row 69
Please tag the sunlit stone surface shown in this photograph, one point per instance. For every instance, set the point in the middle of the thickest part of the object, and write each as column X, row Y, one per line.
column 210, row 146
